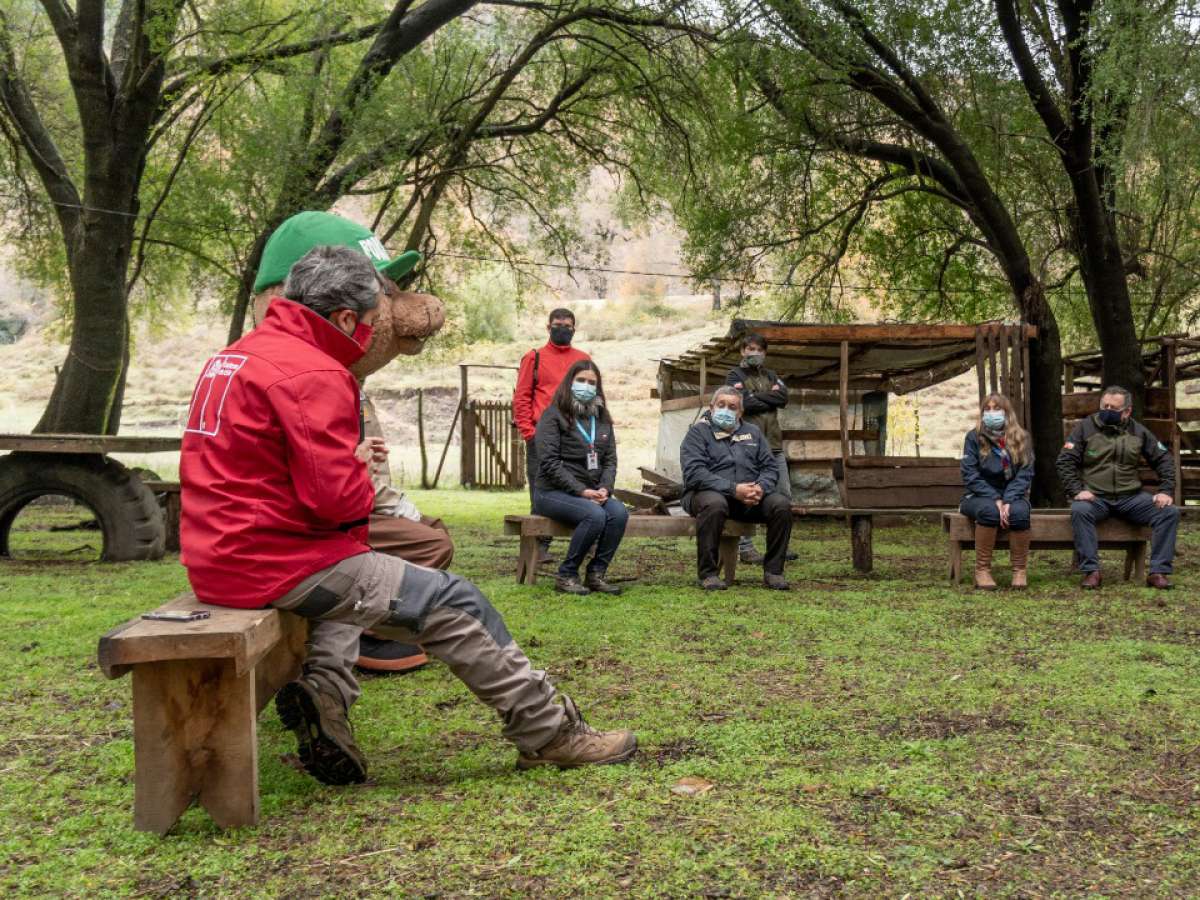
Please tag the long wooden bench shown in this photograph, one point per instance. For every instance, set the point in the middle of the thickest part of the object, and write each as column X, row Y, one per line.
column 1052, row 531
column 197, row 690
column 530, row 528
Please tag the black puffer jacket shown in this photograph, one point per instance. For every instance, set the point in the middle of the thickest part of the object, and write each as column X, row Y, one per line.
column 562, row 454
column 721, row 460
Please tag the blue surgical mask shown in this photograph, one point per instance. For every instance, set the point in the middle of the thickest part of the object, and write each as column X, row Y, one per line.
column 725, row 419
column 583, row 392
column 993, row 419
column 1110, row 417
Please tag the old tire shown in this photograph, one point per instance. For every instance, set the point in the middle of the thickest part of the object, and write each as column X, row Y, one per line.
column 128, row 513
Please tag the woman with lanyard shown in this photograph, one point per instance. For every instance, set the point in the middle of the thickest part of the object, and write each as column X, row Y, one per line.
column 997, row 468
column 577, row 467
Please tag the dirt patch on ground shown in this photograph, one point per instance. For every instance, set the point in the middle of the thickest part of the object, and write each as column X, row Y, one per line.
column 940, row 726
column 672, row 751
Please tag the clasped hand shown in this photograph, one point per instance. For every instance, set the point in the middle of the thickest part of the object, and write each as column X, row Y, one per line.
column 372, row 450
column 749, row 493
column 598, row 495
column 1004, row 510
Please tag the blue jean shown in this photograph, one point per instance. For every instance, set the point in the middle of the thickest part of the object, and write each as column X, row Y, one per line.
column 1138, row 508
column 602, row 526
column 983, row 511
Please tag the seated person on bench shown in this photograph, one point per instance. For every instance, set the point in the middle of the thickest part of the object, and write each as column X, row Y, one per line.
column 1099, row 469
column 396, row 526
column 729, row 472
column 997, row 469
column 276, row 500
column 576, row 448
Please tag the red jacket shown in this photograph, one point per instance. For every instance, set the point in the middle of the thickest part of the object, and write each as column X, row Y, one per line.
column 530, row 400
column 271, row 489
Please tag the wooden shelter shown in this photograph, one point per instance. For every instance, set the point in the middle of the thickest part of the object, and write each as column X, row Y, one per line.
column 853, row 369
column 1168, row 361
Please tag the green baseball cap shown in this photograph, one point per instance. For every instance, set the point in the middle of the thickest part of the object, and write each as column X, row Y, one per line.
column 303, row 231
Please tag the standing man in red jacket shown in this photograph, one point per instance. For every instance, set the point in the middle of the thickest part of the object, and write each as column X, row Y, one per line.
column 276, row 499
column 537, row 379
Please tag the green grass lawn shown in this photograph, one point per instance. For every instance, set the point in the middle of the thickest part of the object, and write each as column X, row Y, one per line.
column 883, row 734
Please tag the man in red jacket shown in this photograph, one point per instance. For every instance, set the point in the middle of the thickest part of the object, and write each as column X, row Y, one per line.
column 538, row 378
column 276, row 499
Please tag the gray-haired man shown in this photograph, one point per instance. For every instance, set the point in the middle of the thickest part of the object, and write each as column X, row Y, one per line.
column 1099, row 470
column 276, row 496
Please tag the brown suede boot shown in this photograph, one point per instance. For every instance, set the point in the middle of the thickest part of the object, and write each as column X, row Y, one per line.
column 578, row 744
column 985, row 543
column 1018, row 553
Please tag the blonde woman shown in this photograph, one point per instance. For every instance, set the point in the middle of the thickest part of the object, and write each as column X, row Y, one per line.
column 997, row 468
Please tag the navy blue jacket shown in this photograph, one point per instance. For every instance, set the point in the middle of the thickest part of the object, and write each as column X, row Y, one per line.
column 721, row 460
column 983, row 476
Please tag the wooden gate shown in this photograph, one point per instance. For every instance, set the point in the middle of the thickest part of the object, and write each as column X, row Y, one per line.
column 1002, row 364
column 493, row 454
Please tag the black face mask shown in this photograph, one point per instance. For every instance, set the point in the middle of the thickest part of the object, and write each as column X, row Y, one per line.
column 560, row 335
column 1110, row 417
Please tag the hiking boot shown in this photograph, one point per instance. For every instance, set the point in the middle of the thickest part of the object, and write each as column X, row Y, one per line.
column 595, row 583
column 326, row 744
column 790, row 556
column 751, row 557
column 1158, row 580
column 578, row 744
column 570, row 586
column 713, row 583
column 1091, row 581
column 985, row 545
column 376, row 654
column 1018, row 554
column 776, row 583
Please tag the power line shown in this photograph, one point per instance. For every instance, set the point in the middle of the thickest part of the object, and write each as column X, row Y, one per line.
column 570, row 267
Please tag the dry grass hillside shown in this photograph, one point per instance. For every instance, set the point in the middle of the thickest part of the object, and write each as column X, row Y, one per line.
column 625, row 337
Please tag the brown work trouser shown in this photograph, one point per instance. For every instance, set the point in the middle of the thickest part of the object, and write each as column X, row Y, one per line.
column 445, row 614
column 426, row 543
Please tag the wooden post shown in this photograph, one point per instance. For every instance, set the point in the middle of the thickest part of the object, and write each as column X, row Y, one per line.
column 467, row 452
column 980, row 363
column 1005, row 383
column 861, row 546
column 1169, row 379
column 703, row 382
column 844, row 398
column 172, row 513
column 728, row 556
column 421, row 437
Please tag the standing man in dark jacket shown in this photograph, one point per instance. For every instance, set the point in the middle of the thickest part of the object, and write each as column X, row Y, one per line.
column 1098, row 468
column 763, row 395
column 538, row 377
column 729, row 472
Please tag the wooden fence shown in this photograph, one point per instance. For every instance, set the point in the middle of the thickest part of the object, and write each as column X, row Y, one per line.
column 493, row 454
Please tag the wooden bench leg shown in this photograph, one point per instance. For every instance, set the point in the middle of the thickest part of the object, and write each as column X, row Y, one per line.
column 729, row 556
column 956, row 558
column 172, row 513
column 194, row 736
column 1135, row 561
column 527, row 560
column 861, row 549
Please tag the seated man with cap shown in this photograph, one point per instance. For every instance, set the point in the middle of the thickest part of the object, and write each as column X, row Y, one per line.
column 403, row 322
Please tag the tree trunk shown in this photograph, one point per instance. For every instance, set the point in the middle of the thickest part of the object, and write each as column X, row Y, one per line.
column 1045, row 397
column 1103, row 272
column 90, row 387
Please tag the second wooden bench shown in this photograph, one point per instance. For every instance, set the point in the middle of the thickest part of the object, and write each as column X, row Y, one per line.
column 531, row 528
column 1052, row 531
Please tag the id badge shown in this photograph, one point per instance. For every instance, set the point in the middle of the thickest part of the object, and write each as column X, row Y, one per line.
column 593, row 460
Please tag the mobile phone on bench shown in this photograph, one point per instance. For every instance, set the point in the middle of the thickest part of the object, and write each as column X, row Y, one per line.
column 172, row 615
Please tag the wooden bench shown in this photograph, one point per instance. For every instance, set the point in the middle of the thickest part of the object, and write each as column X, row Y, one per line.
column 530, row 528
column 1052, row 531
column 168, row 494
column 197, row 690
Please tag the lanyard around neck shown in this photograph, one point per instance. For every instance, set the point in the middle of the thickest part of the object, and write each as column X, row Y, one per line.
column 591, row 439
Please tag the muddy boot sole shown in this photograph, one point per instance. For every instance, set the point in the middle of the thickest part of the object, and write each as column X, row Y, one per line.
column 321, row 756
